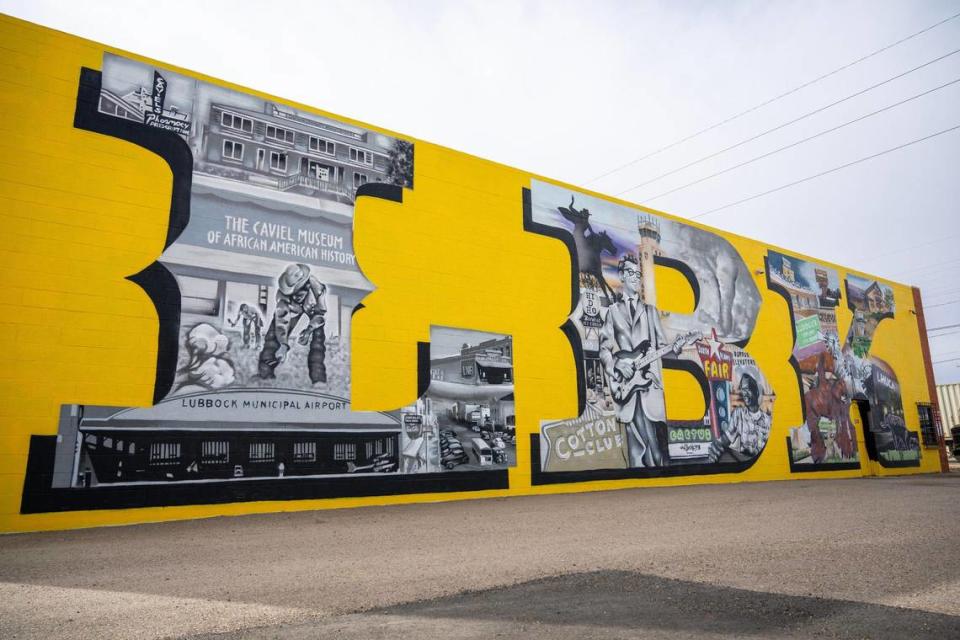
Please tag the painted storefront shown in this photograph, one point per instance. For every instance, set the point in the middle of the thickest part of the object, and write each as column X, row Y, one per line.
column 252, row 305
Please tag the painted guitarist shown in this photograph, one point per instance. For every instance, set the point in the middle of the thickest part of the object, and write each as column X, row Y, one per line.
column 631, row 331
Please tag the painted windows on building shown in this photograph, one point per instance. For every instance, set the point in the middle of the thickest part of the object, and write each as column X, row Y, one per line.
column 359, row 179
column 304, row 451
column 215, row 452
column 280, row 135
column 262, row 451
column 361, row 156
column 929, row 425
column 379, row 447
column 315, row 169
column 232, row 151
column 164, row 453
column 107, row 106
column 199, row 295
column 344, row 451
column 278, row 161
column 239, row 123
column 261, row 157
column 321, row 145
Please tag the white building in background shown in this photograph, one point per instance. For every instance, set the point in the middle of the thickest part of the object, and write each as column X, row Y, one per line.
column 948, row 396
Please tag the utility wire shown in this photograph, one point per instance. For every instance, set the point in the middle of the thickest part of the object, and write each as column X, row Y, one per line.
column 799, row 142
column 946, row 326
column 942, row 361
column 933, row 297
column 939, row 304
column 828, row 171
column 773, row 99
column 940, row 294
column 940, row 335
column 788, row 123
column 874, row 256
column 926, row 266
column 933, row 287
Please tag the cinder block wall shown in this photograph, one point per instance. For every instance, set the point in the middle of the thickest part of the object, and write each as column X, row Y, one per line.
column 219, row 302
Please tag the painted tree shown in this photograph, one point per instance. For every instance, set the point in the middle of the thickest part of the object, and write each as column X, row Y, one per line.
column 400, row 164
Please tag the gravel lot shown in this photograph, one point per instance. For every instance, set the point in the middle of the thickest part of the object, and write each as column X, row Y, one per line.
column 840, row 558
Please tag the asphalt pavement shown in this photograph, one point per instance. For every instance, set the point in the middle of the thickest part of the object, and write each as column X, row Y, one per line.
column 865, row 558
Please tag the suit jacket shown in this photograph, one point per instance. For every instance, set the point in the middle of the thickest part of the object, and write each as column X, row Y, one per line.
column 624, row 332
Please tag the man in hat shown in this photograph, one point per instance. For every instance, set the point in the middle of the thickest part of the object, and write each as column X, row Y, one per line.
column 631, row 329
column 298, row 294
column 252, row 325
column 749, row 424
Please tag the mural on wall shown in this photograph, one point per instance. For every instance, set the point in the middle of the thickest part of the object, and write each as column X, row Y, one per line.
column 256, row 288
column 625, row 342
column 834, row 377
column 465, row 420
column 267, row 283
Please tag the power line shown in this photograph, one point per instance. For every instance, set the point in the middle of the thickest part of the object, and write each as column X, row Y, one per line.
column 940, row 335
column 799, row 142
column 939, row 304
column 925, row 303
column 774, row 99
column 932, row 297
column 828, row 171
column 936, row 280
column 926, row 266
column 935, row 285
column 939, row 294
column 942, row 361
column 788, row 123
column 873, row 256
column 946, row 326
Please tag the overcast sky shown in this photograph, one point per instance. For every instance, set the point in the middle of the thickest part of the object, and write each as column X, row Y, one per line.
column 574, row 90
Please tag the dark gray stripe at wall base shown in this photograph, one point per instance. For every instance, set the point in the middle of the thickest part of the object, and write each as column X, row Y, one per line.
column 39, row 497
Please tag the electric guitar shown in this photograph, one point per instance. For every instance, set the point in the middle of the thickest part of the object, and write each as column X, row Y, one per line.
column 642, row 378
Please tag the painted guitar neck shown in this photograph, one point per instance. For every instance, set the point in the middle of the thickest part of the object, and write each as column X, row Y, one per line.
column 645, row 359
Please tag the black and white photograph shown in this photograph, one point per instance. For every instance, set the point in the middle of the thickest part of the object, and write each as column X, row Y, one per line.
column 466, row 420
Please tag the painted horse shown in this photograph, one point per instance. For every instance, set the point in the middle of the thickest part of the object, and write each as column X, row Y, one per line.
column 829, row 399
column 590, row 246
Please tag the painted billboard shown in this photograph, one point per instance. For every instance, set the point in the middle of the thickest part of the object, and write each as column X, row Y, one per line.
column 222, row 302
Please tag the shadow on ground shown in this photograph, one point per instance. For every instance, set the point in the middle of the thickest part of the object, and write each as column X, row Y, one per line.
column 619, row 604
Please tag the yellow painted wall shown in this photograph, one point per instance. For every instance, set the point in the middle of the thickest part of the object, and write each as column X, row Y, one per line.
column 81, row 211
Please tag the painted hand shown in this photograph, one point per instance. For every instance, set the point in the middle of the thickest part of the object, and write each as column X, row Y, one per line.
column 624, row 368
column 717, row 447
column 678, row 345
